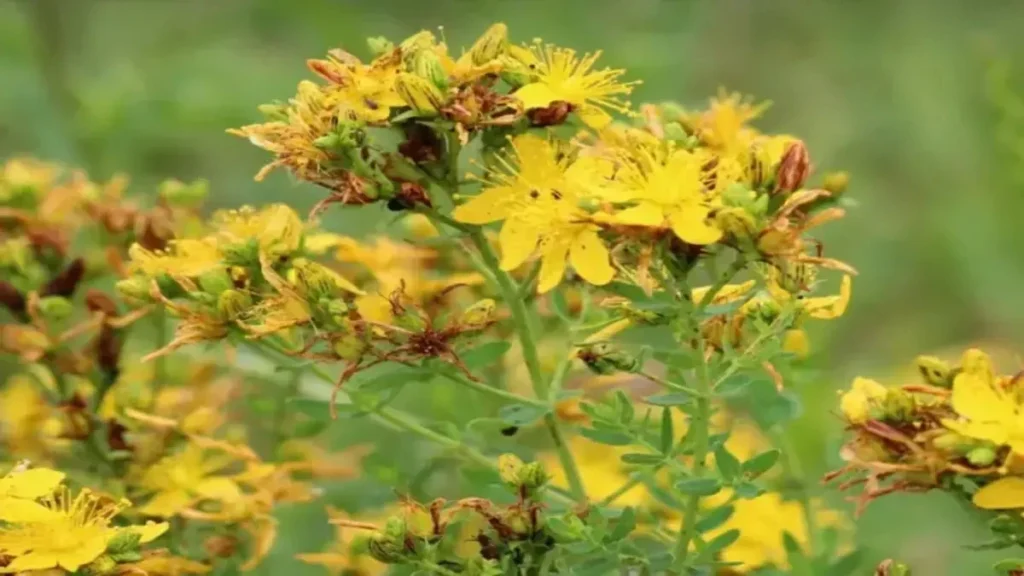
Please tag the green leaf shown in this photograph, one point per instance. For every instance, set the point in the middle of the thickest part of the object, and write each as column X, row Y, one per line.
column 667, row 431
column 733, row 387
column 727, row 464
column 485, row 354
column 625, row 403
column 309, row 427
column 715, row 518
column 748, row 490
column 758, row 465
column 699, row 486
column 561, row 306
column 623, row 526
column 678, row 359
column 521, row 414
column 847, row 565
column 670, row 399
column 715, row 546
column 1008, row 566
column 642, row 459
column 319, row 408
column 609, row 437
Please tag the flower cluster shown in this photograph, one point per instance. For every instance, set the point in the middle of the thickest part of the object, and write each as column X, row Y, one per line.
column 959, row 428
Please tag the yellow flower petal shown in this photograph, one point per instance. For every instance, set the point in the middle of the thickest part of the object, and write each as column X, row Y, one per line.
column 830, row 307
column 536, row 95
column 167, row 503
column 643, row 214
column 594, row 116
column 150, row 531
column 1002, row 494
column 87, row 551
column 30, row 561
column 589, row 256
column 518, row 240
column 690, row 223
column 219, row 489
column 976, row 399
column 31, row 484
column 486, row 207
column 18, row 510
column 552, row 266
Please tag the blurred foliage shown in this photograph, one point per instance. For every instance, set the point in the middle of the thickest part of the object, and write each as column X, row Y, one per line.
column 918, row 99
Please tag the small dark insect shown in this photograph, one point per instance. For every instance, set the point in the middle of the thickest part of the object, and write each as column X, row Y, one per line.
column 510, row 431
column 398, row 204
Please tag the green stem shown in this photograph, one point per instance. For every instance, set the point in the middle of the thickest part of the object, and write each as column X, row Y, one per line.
column 628, row 485
column 670, row 384
column 793, row 472
column 700, row 423
column 491, row 390
column 735, row 268
column 521, row 319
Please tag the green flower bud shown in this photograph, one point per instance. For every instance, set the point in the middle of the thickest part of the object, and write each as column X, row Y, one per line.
column 935, row 371
column 134, row 288
column 379, row 45
column 604, row 359
column 314, row 279
column 982, row 456
column 244, row 254
column 492, row 44
column 101, row 566
column 836, row 182
column 216, row 281
column 385, row 549
column 478, row 316
column 427, row 65
column 419, row 93
column 124, row 541
column 509, row 468
column 410, row 320
column 675, row 131
column 898, row 406
column 349, row 347
column 233, row 303
column 55, row 308
column 182, row 195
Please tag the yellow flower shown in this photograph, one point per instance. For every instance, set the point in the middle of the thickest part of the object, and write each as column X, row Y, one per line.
column 363, row 92
column 560, row 75
column 276, row 228
column 856, row 403
column 987, row 410
column 73, row 532
column 539, row 203
column 669, row 192
column 185, row 258
column 29, row 426
column 762, row 522
column 20, row 488
column 160, row 563
column 309, row 115
column 178, row 481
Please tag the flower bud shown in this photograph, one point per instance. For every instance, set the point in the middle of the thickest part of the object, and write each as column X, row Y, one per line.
column 55, row 308
column 103, row 565
column 181, row 195
column 861, row 400
column 419, row 41
column 427, row 64
column 243, row 254
column 509, row 467
column 216, row 281
column 935, row 371
column 898, row 406
column 953, row 443
column 605, row 359
column 836, row 183
column 736, row 222
column 982, row 456
column 233, row 303
column 514, row 72
column 492, row 44
column 379, row 45
column 795, row 342
column 478, row 316
column 135, row 288
column 349, row 347
column 11, row 298
column 419, row 93
column 793, row 169
column 313, row 279
column 65, row 283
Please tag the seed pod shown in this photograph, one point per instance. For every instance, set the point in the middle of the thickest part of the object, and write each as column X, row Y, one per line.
column 65, row 283
column 96, row 301
column 108, row 352
column 793, row 169
column 12, row 298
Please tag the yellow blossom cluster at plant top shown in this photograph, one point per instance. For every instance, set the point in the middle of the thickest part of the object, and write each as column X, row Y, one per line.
column 604, row 201
column 960, row 420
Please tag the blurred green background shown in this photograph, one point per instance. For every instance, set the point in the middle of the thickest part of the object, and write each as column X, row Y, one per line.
column 914, row 98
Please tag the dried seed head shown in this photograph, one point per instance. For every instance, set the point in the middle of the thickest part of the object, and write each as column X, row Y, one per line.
column 65, row 283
